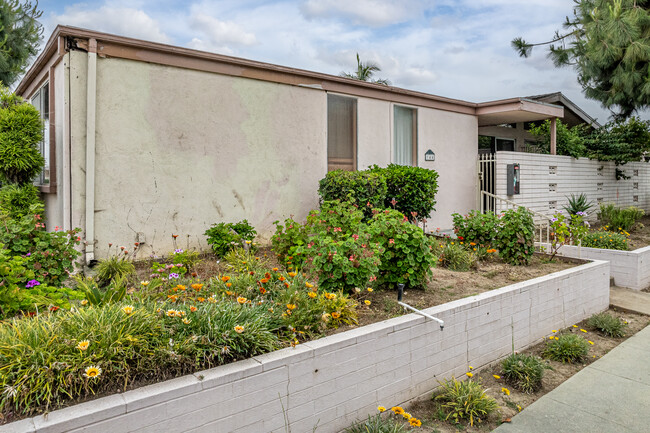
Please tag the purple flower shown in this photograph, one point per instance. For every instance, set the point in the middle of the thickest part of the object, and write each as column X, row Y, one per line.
column 28, row 254
column 580, row 213
column 32, row 283
column 173, row 275
column 553, row 220
column 178, row 251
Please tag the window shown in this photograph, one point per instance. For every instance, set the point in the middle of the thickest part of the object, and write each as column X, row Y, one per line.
column 341, row 133
column 404, row 136
column 41, row 100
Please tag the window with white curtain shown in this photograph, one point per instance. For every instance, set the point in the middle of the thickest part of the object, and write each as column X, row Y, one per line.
column 404, row 135
column 341, row 133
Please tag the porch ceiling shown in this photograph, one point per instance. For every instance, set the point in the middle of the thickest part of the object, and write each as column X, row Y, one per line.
column 516, row 110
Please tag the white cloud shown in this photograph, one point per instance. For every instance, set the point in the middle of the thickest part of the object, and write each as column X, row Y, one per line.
column 219, row 35
column 123, row 21
column 365, row 12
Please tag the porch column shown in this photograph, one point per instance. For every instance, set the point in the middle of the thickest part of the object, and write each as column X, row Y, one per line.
column 553, row 136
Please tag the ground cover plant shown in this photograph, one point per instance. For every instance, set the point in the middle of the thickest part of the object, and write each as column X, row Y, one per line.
column 607, row 324
column 618, row 218
column 524, row 372
column 566, row 348
column 465, row 400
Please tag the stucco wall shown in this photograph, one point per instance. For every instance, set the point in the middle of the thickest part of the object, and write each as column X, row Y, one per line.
column 178, row 150
column 336, row 380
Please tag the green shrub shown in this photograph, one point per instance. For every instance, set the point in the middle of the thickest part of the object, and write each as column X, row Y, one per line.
column 95, row 295
column 116, row 266
column 607, row 324
column 288, row 237
column 605, row 239
column 377, row 424
column 567, row 348
column 16, row 200
column 407, row 257
column 187, row 258
column 516, row 235
column 455, row 257
column 578, row 203
column 51, row 254
column 223, row 237
column 364, row 188
column 465, row 401
column 476, row 227
column 523, row 371
column 619, row 219
column 21, row 131
column 410, row 190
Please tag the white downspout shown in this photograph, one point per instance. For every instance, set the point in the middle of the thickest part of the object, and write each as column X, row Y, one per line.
column 91, row 100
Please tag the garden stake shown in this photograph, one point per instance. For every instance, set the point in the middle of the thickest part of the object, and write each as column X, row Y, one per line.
column 400, row 293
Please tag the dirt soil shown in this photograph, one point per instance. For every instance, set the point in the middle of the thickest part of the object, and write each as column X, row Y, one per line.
column 433, row 419
column 639, row 235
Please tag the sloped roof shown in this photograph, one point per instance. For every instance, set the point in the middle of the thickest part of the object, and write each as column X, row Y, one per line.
column 573, row 115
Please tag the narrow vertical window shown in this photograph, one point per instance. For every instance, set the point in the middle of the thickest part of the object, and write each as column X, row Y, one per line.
column 341, row 133
column 405, row 135
column 41, row 100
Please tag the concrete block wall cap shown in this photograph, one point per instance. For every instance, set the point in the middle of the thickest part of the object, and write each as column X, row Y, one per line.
column 80, row 415
column 161, row 392
column 284, row 356
column 228, row 373
column 22, row 426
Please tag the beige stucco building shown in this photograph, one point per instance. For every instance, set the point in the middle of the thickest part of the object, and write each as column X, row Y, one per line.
column 146, row 141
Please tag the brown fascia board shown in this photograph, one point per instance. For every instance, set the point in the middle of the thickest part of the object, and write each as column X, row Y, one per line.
column 129, row 48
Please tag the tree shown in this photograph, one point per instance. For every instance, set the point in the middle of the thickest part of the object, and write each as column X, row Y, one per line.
column 364, row 72
column 608, row 43
column 570, row 141
column 21, row 131
column 20, row 36
column 619, row 141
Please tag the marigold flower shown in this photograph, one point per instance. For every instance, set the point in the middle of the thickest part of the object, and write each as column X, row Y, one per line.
column 281, row 278
column 275, row 269
column 312, row 295
column 553, row 330
column 262, row 290
column 370, row 289
column 291, row 306
column 193, row 308
column 181, row 287
column 415, row 422
column 471, row 368
column 506, row 391
column 293, row 274
column 242, row 300
column 582, row 330
column 225, row 278
column 92, row 372
column 83, row 345
column 397, row 410
column 407, row 415
column 239, row 329
column 128, row 309
column 200, row 299
column 381, row 408
column 575, row 326
column 367, row 302
column 496, row 376
column 197, row 286
column 591, row 342
column 336, row 315
column 287, row 285
column 469, row 374
column 173, row 298
column 264, row 280
column 308, row 285
column 228, row 284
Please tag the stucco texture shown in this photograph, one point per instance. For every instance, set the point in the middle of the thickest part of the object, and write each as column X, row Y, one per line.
column 178, row 150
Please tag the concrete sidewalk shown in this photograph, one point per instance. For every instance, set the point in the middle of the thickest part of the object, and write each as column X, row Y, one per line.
column 611, row 395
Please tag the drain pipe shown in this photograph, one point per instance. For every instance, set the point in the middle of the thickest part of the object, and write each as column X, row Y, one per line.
column 91, row 95
column 400, row 293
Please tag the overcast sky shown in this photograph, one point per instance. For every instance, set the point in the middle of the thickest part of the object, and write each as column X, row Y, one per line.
column 453, row 48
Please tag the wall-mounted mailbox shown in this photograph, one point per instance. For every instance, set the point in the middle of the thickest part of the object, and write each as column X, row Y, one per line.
column 513, row 179
column 429, row 155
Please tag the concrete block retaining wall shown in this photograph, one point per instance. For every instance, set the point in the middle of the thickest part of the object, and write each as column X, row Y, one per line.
column 630, row 269
column 333, row 381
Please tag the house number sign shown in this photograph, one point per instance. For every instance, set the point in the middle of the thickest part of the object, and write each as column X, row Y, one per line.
column 429, row 156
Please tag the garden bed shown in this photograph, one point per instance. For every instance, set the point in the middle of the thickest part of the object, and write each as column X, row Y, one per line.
column 385, row 363
column 429, row 411
column 640, row 236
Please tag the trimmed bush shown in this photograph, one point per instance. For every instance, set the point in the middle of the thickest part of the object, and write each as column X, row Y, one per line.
column 465, row 401
column 516, row 236
column 607, row 324
column 15, row 200
column 21, row 131
column 477, row 227
column 524, row 372
column 567, row 348
column 605, row 239
column 410, row 190
column 365, row 189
